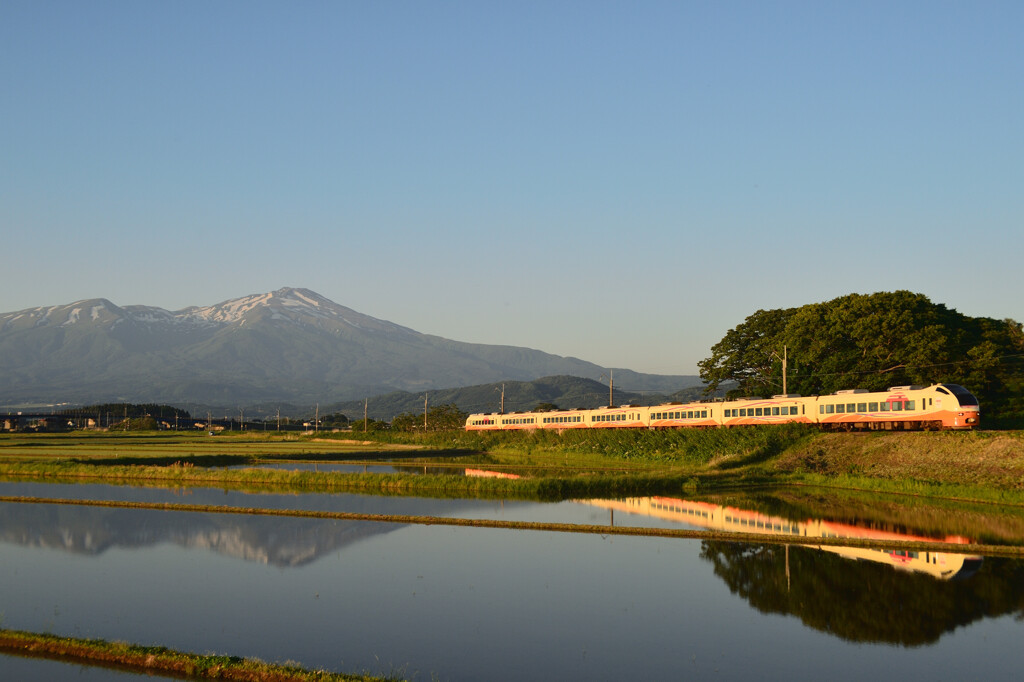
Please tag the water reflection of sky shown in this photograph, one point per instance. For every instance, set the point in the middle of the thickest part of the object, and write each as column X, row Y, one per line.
column 33, row 669
column 467, row 603
column 508, row 510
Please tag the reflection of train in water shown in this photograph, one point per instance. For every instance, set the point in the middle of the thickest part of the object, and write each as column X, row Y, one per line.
column 942, row 406
column 940, row 565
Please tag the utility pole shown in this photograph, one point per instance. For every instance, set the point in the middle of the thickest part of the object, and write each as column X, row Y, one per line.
column 425, row 412
column 611, row 384
column 785, row 363
column 279, row 419
column 366, row 408
column 241, row 417
column 316, row 419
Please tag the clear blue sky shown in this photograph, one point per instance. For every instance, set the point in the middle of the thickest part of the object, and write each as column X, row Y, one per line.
column 617, row 181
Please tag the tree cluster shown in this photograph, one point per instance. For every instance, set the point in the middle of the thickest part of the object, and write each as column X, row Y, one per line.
column 440, row 418
column 870, row 341
column 132, row 410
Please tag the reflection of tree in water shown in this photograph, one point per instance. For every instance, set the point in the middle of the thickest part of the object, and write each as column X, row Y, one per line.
column 863, row 601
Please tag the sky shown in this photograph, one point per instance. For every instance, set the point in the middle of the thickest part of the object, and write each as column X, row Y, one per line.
column 621, row 182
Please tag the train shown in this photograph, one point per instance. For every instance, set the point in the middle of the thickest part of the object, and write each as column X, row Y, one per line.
column 901, row 408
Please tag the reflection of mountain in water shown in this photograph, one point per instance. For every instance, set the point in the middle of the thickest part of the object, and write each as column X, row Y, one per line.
column 265, row 539
column 863, row 601
column 280, row 541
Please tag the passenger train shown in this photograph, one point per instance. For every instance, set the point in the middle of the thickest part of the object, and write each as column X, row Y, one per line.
column 940, row 406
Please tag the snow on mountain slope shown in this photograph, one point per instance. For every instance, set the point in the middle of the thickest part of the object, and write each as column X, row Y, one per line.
column 300, row 306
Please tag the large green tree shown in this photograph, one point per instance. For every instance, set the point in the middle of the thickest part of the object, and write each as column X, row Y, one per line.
column 868, row 341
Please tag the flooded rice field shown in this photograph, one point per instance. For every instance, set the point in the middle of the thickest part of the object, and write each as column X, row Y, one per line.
column 433, row 602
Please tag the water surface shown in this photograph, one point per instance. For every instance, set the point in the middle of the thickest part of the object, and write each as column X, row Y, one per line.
column 468, row 603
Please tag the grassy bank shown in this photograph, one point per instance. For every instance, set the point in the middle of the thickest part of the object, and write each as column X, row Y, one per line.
column 546, row 465
column 160, row 660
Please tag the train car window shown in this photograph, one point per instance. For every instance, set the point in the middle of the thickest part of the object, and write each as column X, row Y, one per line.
column 840, row 409
column 862, row 407
column 775, row 412
column 872, row 407
column 743, row 412
column 829, row 409
column 897, row 406
column 704, row 414
column 884, row 407
column 908, row 405
column 851, row 408
column 758, row 412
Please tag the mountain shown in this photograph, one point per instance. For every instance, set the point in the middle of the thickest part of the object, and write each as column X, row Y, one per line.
column 288, row 345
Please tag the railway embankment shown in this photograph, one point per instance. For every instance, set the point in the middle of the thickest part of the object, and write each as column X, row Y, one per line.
column 990, row 459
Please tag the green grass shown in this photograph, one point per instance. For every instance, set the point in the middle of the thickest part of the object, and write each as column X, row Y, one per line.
column 161, row 660
column 573, row 464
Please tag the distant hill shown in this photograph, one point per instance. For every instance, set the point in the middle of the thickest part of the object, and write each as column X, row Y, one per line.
column 520, row 396
column 287, row 346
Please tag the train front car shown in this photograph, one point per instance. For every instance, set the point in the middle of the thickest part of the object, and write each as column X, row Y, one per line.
column 901, row 408
column 958, row 407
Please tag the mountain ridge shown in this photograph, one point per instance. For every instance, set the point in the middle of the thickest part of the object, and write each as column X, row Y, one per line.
column 290, row 344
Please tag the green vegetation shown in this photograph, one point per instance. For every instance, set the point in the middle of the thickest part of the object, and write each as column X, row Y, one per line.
column 135, row 424
column 126, row 410
column 873, row 342
column 441, row 418
column 573, row 464
column 160, row 660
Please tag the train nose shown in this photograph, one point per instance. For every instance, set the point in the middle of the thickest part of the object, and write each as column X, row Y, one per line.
column 968, row 416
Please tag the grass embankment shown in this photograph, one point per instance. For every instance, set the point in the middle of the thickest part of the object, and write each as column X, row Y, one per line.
column 551, row 466
column 979, row 465
column 171, row 446
column 572, row 464
column 160, row 660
